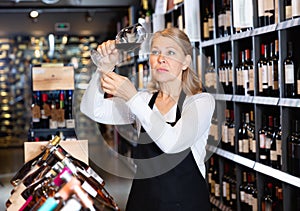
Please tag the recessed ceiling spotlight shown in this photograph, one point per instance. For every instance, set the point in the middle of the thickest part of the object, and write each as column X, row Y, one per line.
column 34, row 14
column 50, row 1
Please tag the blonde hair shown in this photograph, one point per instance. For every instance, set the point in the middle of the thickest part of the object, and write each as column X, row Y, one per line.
column 190, row 82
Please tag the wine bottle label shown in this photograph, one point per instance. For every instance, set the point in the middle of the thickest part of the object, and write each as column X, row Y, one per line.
column 53, row 124
column 47, row 110
column 245, row 78
column 60, row 115
column 295, row 8
column 265, row 77
column 212, row 189
column 209, row 175
column 231, row 135
column 288, row 12
column 228, row 18
column 262, row 141
column 225, row 134
column 253, row 146
column 268, row 143
column 205, row 30
column 224, row 188
column 270, row 76
column 61, row 124
column 260, row 79
column 17, row 194
column 289, row 74
column 95, row 175
column 221, row 20
column 273, row 155
column 240, row 146
column 210, row 25
column 217, row 190
column 278, row 147
column 72, row 204
column 89, row 189
column 298, row 87
column 70, row 123
column 254, row 204
column 230, row 75
column 245, row 145
column 250, row 144
column 261, row 9
column 36, row 113
column 242, row 196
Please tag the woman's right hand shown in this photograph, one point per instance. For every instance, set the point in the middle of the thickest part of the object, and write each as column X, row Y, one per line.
column 109, row 56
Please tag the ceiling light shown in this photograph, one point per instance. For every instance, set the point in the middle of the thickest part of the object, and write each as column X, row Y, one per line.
column 50, row 1
column 34, row 14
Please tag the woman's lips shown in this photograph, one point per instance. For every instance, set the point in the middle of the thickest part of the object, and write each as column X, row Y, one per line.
column 162, row 70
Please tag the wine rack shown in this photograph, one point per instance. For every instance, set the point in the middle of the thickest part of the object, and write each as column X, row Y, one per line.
column 274, row 27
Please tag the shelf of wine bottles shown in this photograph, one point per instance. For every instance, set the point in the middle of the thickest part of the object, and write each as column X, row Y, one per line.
column 18, row 55
column 54, row 179
column 250, row 64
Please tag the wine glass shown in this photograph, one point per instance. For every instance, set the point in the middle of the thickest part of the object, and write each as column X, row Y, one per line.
column 129, row 39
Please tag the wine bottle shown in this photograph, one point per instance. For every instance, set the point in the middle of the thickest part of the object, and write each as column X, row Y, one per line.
column 221, row 19
column 227, row 24
column 292, row 139
column 230, row 72
column 221, row 71
column 251, row 136
column 29, row 164
column 225, row 125
column 242, row 187
column 269, row 138
column 211, row 182
column 289, row 73
column 211, row 25
column 261, row 13
column 243, row 139
column 263, row 71
column 275, row 151
column 45, row 111
column 273, row 69
column 262, row 141
column 250, row 85
column 231, row 132
column 205, row 25
column 226, row 185
column 267, row 201
column 239, row 75
column 70, row 121
column 61, row 123
column 85, row 177
column 53, row 116
column 269, row 11
column 245, row 72
column 36, row 110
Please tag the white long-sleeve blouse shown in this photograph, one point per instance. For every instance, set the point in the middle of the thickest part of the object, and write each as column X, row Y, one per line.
column 190, row 131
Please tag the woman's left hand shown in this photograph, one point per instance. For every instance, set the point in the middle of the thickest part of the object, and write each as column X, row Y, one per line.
column 117, row 85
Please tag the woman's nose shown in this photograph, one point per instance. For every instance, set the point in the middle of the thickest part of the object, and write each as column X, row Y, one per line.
column 161, row 58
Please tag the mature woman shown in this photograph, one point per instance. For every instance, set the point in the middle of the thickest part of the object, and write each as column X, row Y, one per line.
column 173, row 119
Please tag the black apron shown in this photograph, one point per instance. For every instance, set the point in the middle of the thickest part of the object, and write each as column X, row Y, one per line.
column 176, row 184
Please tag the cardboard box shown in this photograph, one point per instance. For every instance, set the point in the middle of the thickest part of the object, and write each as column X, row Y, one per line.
column 76, row 148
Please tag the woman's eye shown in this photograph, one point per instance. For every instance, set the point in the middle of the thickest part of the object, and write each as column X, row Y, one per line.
column 171, row 53
column 154, row 52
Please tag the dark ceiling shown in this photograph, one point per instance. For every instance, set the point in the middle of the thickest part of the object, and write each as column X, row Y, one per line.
column 105, row 14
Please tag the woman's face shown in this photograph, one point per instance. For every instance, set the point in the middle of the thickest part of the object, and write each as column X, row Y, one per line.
column 167, row 60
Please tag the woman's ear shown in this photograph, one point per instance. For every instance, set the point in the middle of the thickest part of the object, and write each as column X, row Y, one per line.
column 187, row 61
